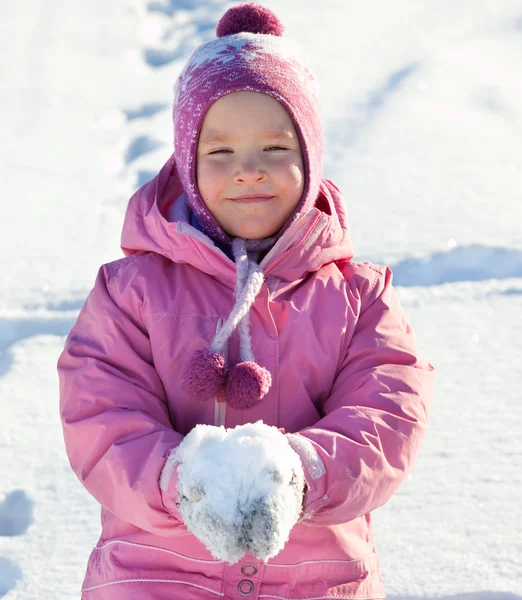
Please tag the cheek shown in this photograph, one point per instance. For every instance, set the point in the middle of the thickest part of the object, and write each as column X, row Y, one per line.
column 209, row 177
column 297, row 174
column 292, row 174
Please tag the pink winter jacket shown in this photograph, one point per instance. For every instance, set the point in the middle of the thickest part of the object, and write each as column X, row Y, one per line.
column 345, row 376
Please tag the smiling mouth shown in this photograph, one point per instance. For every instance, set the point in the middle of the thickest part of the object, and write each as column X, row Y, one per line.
column 247, row 198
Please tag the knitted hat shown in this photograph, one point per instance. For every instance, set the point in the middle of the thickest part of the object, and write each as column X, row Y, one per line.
column 248, row 54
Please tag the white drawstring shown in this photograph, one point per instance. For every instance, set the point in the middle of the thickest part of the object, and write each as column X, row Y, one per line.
column 249, row 280
column 246, row 382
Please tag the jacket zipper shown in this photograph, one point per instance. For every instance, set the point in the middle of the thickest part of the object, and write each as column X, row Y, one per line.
column 220, row 404
column 277, row 259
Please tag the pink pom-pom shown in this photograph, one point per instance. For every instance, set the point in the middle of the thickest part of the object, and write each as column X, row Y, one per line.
column 250, row 18
column 247, row 384
column 204, row 375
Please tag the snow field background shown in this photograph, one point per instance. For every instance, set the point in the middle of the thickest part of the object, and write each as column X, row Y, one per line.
column 422, row 108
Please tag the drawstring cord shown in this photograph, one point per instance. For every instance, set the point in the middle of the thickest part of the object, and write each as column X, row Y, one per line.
column 247, row 382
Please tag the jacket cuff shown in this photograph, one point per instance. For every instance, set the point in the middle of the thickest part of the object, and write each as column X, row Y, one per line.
column 168, row 483
column 314, row 473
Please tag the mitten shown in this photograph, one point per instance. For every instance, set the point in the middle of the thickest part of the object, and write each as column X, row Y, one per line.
column 207, row 492
column 275, row 500
column 238, row 489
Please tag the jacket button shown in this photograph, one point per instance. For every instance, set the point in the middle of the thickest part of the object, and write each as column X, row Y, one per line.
column 249, row 570
column 245, row 587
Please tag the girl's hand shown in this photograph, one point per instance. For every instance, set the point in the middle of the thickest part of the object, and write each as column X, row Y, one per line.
column 239, row 489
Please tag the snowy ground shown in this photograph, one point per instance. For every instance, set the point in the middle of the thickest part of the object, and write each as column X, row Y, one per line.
column 422, row 106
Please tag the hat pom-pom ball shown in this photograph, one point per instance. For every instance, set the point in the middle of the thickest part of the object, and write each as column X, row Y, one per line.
column 247, row 384
column 249, row 18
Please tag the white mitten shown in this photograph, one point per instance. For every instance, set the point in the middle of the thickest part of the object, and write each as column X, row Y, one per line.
column 239, row 489
column 275, row 500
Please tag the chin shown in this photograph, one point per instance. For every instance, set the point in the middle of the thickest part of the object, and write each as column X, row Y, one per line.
column 250, row 234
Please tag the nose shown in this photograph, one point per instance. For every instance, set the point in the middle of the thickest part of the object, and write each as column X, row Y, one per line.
column 250, row 170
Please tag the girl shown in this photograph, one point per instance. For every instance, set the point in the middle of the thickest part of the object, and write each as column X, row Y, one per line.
column 237, row 393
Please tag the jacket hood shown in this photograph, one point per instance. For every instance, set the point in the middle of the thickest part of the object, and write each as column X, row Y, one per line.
column 319, row 237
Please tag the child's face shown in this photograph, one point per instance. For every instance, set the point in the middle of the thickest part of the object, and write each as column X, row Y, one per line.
column 249, row 164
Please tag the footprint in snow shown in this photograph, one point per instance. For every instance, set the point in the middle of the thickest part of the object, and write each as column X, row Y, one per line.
column 185, row 25
column 16, row 514
column 147, row 110
column 170, row 8
column 345, row 134
column 139, row 146
column 9, row 575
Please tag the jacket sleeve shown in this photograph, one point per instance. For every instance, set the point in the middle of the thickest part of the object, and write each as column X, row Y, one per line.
column 114, row 413
column 357, row 456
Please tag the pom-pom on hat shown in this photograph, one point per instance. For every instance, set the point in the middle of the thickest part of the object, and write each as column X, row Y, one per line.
column 249, row 18
column 250, row 53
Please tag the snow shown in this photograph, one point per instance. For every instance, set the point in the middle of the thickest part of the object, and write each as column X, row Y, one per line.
column 422, row 107
column 239, row 488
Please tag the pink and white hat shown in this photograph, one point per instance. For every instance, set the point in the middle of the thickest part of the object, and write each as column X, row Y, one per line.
column 248, row 54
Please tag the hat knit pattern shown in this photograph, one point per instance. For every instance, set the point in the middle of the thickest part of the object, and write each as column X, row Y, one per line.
column 249, row 54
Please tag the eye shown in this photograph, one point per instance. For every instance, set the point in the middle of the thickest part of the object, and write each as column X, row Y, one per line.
column 220, row 151
column 276, row 148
